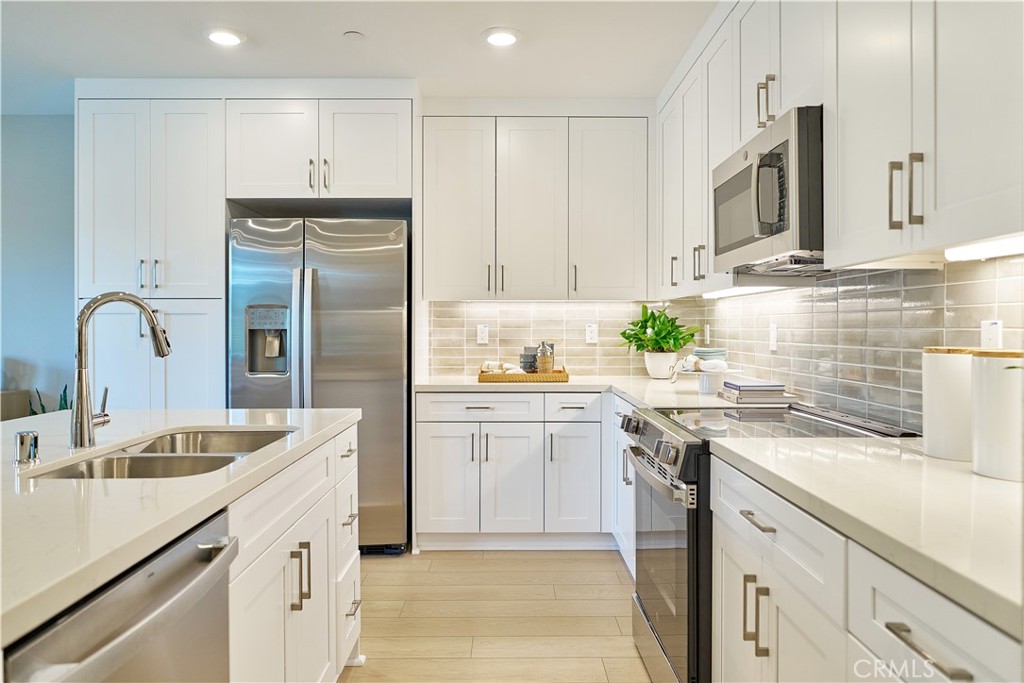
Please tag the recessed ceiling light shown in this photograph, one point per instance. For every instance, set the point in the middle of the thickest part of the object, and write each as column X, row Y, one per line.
column 353, row 35
column 225, row 37
column 501, row 37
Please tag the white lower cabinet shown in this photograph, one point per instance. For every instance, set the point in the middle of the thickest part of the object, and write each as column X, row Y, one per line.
column 623, row 501
column 447, row 477
column 734, row 577
column 281, row 617
column 572, row 480
column 512, row 477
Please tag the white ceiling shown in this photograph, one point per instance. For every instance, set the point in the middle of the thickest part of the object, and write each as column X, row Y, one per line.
column 569, row 49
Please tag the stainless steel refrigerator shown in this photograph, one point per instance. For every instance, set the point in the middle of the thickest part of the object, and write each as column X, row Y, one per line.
column 317, row 312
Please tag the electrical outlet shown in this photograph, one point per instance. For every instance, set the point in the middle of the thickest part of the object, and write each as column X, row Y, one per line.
column 991, row 334
column 773, row 337
column 482, row 334
column 592, row 333
column 707, row 335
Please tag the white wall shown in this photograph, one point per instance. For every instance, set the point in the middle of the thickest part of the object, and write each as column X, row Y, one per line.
column 37, row 270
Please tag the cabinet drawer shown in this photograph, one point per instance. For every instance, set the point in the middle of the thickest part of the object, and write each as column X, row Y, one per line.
column 346, row 449
column 260, row 517
column 559, row 407
column 492, row 407
column 349, row 596
column 346, row 500
column 893, row 613
column 808, row 553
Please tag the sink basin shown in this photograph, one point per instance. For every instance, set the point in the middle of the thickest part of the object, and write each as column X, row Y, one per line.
column 209, row 441
column 141, row 466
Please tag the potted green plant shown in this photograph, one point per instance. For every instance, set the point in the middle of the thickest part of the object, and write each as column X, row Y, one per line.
column 660, row 338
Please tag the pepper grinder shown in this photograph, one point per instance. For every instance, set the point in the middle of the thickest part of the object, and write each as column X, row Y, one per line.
column 545, row 358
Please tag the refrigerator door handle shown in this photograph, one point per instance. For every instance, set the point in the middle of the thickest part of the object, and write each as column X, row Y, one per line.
column 295, row 361
column 308, row 275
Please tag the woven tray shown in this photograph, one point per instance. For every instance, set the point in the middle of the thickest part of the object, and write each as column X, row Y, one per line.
column 496, row 377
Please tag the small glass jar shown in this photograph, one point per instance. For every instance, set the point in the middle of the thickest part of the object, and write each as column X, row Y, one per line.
column 545, row 358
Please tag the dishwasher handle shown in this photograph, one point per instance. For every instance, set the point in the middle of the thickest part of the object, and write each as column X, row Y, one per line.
column 102, row 662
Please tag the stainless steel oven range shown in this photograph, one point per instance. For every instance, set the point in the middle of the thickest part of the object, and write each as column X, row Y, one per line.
column 671, row 452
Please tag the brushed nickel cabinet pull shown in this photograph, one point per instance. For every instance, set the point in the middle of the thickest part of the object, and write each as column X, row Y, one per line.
column 761, row 86
column 915, row 158
column 487, row 447
column 297, row 555
column 356, row 604
column 479, row 407
column 350, row 452
column 312, row 170
column 488, row 277
column 142, row 262
column 702, row 273
column 308, row 593
column 759, row 592
column 152, row 272
column 749, row 516
column 672, row 271
column 768, row 115
column 575, row 279
column 748, row 579
column 696, row 264
column 503, row 277
column 472, row 447
column 893, row 167
column 327, row 175
column 902, row 633
column 551, row 447
column 351, row 519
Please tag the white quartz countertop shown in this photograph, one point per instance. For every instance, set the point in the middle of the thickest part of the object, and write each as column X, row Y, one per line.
column 956, row 531
column 642, row 392
column 63, row 538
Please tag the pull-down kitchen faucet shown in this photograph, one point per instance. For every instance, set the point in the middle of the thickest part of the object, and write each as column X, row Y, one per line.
column 82, row 419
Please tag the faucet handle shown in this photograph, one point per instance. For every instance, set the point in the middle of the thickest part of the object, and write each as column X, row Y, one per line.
column 103, row 417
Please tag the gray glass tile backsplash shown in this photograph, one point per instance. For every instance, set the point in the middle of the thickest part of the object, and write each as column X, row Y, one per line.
column 851, row 342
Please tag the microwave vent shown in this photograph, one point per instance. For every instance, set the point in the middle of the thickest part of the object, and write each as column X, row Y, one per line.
column 804, row 264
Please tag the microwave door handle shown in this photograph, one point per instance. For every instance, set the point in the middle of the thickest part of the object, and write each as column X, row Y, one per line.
column 755, row 194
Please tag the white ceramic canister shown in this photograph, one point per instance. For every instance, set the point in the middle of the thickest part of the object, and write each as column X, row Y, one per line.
column 946, row 402
column 998, row 383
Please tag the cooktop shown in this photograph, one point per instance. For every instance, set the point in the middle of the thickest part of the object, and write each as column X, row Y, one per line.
column 797, row 421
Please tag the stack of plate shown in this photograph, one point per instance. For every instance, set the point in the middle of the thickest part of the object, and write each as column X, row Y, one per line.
column 710, row 353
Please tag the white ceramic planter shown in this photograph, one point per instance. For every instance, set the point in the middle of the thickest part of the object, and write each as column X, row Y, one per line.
column 659, row 365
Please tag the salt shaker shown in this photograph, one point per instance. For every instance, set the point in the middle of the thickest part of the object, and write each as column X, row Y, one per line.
column 545, row 358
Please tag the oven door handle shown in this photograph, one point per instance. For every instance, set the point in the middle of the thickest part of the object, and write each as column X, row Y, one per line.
column 687, row 497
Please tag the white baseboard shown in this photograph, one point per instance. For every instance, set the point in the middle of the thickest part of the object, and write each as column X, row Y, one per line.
column 505, row 541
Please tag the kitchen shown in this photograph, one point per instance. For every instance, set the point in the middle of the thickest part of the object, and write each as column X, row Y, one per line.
column 538, row 205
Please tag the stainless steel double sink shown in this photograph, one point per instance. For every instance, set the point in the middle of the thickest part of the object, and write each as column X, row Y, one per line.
column 177, row 454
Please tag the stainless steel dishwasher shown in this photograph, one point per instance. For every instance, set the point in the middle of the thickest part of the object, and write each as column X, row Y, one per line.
column 166, row 619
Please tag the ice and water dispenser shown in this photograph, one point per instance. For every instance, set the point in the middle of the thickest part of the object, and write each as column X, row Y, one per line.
column 268, row 339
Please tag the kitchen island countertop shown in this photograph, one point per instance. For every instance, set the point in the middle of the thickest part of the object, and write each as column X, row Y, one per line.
column 64, row 538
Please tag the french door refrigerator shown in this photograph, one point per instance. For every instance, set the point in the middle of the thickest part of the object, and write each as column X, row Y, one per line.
column 317, row 319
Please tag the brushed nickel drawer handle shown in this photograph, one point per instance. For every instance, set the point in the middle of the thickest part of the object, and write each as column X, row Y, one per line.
column 902, row 633
column 356, row 604
column 350, row 452
column 915, row 158
column 565, row 407
column 768, row 115
column 487, row 447
column 761, row 86
column 672, row 271
column 308, row 593
column 759, row 592
column 749, row 516
column 351, row 519
column 748, row 579
column 893, row 167
column 479, row 407
column 297, row 555
column 472, row 447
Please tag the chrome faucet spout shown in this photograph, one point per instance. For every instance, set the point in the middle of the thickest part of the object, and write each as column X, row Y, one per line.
column 82, row 423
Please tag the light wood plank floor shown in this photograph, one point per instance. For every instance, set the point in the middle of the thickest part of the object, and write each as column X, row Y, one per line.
column 497, row 616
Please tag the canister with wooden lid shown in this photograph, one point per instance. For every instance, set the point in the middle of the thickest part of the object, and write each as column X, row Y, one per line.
column 946, row 401
column 997, row 378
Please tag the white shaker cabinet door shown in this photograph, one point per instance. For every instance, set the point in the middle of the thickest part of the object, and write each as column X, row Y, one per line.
column 799, row 57
column 512, row 477
column 694, row 208
column 867, row 132
column 735, row 579
column 572, row 480
column 670, row 260
column 623, row 502
column 113, row 196
column 968, row 122
column 187, row 206
column 532, row 210
column 310, row 645
column 753, row 45
column 272, row 148
column 194, row 375
column 447, row 477
column 458, row 208
column 120, row 351
column 259, row 601
column 608, row 208
column 365, row 148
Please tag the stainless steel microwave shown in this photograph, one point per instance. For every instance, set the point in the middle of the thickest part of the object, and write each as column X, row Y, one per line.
column 768, row 200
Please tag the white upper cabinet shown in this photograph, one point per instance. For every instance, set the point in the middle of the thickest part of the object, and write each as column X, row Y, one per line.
column 753, row 44
column 187, row 205
column 867, row 129
column 532, row 207
column 968, row 121
column 319, row 148
column 607, row 208
column 151, row 198
column 194, row 375
column 695, row 188
column 458, row 208
column 923, row 127
column 799, row 30
column 120, row 354
column 670, row 197
column 365, row 148
column 113, row 195
column 272, row 148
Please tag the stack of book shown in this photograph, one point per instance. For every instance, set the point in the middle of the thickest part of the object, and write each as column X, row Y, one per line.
column 749, row 390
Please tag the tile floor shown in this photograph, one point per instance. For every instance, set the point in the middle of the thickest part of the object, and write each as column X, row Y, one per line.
column 497, row 616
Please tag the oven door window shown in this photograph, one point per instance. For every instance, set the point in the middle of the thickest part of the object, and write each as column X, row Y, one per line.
column 662, row 538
